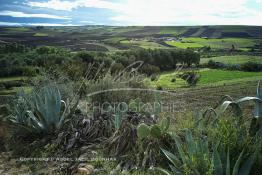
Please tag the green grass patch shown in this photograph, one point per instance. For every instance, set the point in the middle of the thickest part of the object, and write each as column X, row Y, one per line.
column 164, row 81
column 239, row 43
column 5, row 79
column 208, row 77
column 40, row 34
column 236, row 59
column 225, row 43
column 18, row 29
column 172, row 30
column 143, row 44
column 184, row 45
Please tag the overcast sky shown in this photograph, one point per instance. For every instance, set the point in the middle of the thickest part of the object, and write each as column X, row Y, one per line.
column 130, row 12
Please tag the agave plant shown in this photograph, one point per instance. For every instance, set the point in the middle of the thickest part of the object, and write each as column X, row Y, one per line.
column 193, row 156
column 40, row 112
column 222, row 165
column 256, row 124
column 223, row 105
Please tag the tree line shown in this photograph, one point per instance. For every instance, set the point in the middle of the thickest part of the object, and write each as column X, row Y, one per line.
column 18, row 60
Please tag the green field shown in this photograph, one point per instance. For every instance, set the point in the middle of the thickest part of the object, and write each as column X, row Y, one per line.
column 225, row 43
column 208, row 77
column 172, row 30
column 6, row 79
column 143, row 44
column 184, row 45
column 18, row 29
column 236, row 59
column 40, row 34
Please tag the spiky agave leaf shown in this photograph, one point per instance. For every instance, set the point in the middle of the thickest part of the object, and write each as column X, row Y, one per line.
column 258, row 106
column 247, row 165
column 172, row 158
column 40, row 111
column 237, row 164
column 218, row 168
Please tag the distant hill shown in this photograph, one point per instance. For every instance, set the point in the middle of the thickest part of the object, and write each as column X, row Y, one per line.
column 104, row 38
column 198, row 31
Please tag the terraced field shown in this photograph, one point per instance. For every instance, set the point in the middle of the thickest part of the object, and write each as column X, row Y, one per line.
column 242, row 37
column 143, row 44
column 184, row 45
column 209, row 77
column 200, row 98
column 236, row 59
column 225, row 43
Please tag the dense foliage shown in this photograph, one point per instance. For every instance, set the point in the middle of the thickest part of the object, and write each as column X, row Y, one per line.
column 17, row 60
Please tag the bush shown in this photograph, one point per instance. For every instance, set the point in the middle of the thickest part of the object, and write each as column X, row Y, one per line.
column 251, row 67
column 160, row 88
column 103, row 86
column 85, row 57
column 154, row 77
column 117, row 68
column 173, row 80
column 215, row 65
column 150, row 69
column 29, row 71
column 11, row 84
column 45, row 50
column 191, row 78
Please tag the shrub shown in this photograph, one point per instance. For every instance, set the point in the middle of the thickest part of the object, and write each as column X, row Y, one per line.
column 173, row 80
column 85, row 57
column 215, row 65
column 251, row 67
column 160, row 88
column 191, row 78
column 154, row 77
column 29, row 71
column 45, row 50
column 150, row 69
column 117, row 68
column 114, row 88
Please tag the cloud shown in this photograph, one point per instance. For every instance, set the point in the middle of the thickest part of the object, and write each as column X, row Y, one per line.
column 88, row 22
column 9, row 24
column 48, row 24
column 33, row 24
column 166, row 12
column 26, row 15
column 70, row 5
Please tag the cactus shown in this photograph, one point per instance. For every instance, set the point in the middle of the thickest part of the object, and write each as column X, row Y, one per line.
column 143, row 131
column 155, row 131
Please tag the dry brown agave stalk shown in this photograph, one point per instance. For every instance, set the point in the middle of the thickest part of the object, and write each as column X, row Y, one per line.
column 86, row 131
column 123, row 144
column 149, row 152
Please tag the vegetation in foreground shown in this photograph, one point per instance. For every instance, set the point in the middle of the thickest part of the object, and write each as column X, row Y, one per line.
column 46, row 122
column 56, row 115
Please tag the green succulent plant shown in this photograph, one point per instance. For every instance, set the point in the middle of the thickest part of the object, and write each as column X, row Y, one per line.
column 223, row 166
column 256, row 124
column 40, row 112
column 193, row 156
column 155, row 131
column 223, row 105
